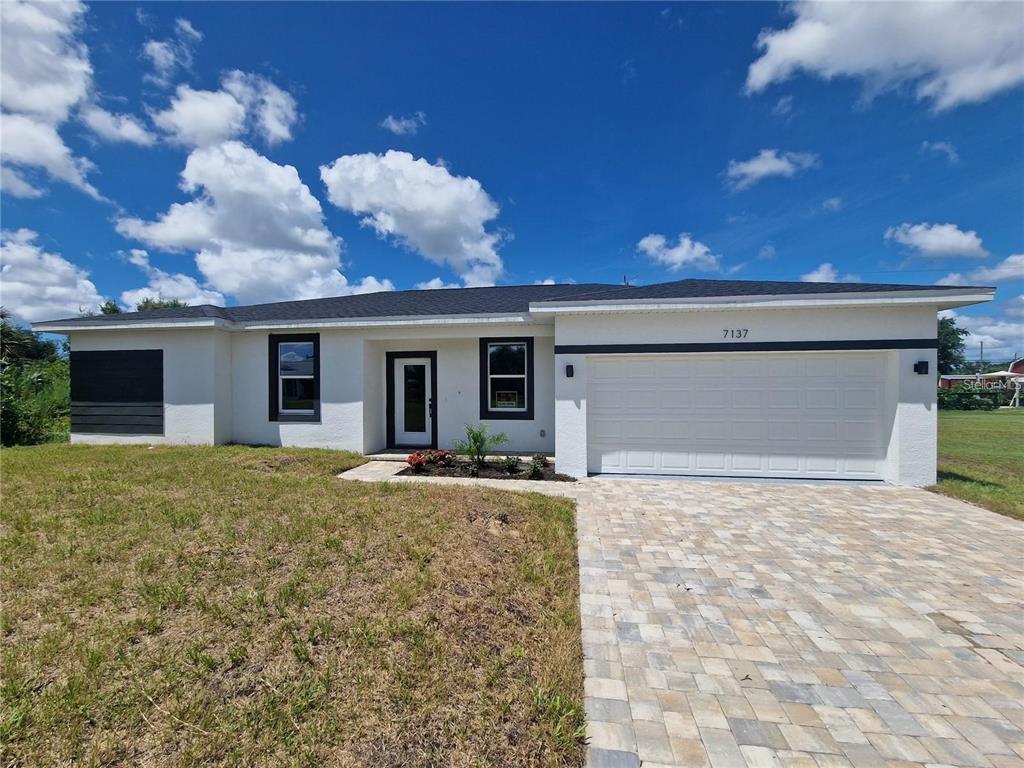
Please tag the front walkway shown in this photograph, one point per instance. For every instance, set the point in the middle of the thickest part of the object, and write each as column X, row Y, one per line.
column 740, row 625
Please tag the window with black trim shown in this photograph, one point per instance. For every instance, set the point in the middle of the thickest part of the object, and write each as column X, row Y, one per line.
column 506, row 378
column 295, row 377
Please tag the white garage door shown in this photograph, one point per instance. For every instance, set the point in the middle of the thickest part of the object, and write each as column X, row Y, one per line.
column 811, row 414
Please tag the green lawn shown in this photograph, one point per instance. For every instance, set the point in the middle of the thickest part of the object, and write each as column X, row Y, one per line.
column 179, row 606
column 981, row 458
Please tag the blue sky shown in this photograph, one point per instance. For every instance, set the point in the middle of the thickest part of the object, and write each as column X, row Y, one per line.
column 581, row 142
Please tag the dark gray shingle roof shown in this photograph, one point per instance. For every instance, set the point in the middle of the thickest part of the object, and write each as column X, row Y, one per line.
column 506, row 299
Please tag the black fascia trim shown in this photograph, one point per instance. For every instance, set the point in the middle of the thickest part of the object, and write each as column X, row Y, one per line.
column 284, row 338
column 485, row 411
column 747, row 346
column 389, row 386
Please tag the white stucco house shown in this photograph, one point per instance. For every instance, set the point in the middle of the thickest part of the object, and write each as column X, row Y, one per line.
column 694, row 377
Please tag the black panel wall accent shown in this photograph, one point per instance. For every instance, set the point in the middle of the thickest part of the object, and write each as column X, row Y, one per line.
column 118, row 392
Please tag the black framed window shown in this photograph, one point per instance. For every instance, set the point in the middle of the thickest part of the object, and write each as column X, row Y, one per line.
column 294, row 375
column 506, row 378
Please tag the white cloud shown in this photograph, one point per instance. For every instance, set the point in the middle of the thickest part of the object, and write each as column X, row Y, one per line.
column 1002, row 337
column 31, row 142
column 945, row 148
column 767, row 252
column 938, row 240
column 783, row 107
column 423, row 206
column 36, row 285
column 112, row 127
column 435, row 283
column 174, row 54
column 743, row 174
column 1010, row 268
column 404, row 126
column 832, row 204
column 826, row 273
column 164, row 285
column 546, row 281
column 44, row 74
column 200, row 118
column 14, row 184
column 687, row 252
column 184, row 28
column 1014, row 307
column 46, row 69
column 245, row 103
column 273, row 108
column 257, row 231
column 953, row 53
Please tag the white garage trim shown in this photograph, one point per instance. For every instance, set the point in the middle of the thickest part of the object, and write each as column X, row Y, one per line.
column 782, row 414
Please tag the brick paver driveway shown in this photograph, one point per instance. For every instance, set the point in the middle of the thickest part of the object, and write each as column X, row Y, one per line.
column 791, row 625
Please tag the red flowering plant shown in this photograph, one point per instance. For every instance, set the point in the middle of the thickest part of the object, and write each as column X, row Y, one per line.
column 419, row 460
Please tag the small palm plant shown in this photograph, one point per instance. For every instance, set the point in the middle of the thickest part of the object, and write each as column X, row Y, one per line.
column 478, row 443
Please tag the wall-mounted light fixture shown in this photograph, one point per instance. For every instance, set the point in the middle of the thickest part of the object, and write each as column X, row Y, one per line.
column 921, row 367
column 568, row 371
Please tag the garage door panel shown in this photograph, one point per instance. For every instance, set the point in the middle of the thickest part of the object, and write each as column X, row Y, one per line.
column 774, row 415
column 827, row 367
column 821, row 430
column 817, row 398
column 749, row 397
column 711, row 398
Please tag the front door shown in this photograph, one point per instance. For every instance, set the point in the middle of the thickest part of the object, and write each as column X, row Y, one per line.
column 414, row 401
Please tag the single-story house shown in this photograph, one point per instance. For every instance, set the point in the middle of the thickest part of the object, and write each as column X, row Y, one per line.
column 694, row 377
column 992, row 380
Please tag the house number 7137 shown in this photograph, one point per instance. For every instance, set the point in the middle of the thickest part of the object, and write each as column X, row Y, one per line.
column 735, row 333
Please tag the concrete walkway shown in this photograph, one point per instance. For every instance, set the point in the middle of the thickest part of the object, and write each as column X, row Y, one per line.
column 740, row 625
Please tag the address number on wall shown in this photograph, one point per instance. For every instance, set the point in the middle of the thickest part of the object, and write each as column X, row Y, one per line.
column 735, row 333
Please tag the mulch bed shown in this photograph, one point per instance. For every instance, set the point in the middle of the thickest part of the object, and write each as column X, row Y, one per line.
column 489, row 471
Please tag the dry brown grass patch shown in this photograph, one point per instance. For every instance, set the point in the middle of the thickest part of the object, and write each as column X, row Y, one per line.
column 239, row 606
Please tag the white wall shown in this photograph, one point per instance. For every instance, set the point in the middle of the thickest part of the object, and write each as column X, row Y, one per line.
column 341, row 393
column 192, row 389
column 824, row 324
column 912, row 450
column 457, row 401
column 910, row 454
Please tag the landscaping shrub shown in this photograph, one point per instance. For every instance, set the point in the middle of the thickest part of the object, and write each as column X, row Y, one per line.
column 966, row 398
column 510, row 464
column 479, row 442
column 420, row 459
column 536, row 469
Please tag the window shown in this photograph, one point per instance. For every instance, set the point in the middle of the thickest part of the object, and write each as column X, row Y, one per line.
column 506, row 378
column 295, row 377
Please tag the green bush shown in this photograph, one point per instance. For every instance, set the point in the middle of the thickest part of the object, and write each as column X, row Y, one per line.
column 510, row 464
column 478, row 443
column 536, row 469
column 34, row 402
column 965, row 398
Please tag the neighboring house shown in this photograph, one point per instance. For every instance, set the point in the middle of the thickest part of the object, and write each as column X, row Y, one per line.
column 998, row 380
column 695, row 377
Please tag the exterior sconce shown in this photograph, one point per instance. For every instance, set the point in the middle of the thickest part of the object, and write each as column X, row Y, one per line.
column 569, row 371
column 921, row 367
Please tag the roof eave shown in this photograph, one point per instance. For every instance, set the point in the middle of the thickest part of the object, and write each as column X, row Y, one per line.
column 940, row 298
column 66, row 326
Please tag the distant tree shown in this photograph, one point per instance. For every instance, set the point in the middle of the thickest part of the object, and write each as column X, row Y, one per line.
column 110, row 307
column 19, row 344
column 151, row 302
column 951, row 346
